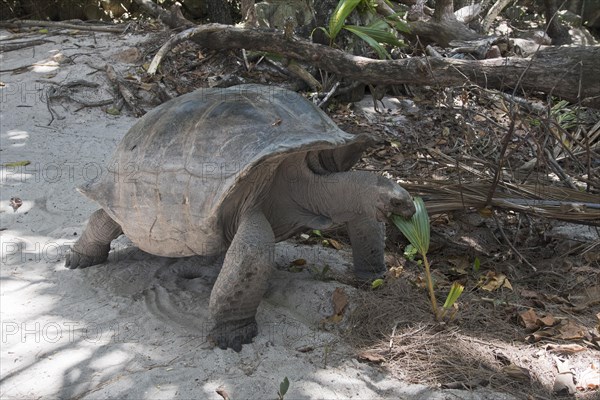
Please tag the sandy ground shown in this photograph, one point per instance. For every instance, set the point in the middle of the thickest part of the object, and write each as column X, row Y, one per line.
column 133, row 328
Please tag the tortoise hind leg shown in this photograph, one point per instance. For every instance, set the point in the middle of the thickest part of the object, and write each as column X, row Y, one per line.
column 94, row 244
column 242, row 283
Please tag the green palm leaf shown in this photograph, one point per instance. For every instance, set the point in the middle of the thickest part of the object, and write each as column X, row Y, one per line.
column 381, row 32
column 416, row 229
column 341, row 12
column 361, row 32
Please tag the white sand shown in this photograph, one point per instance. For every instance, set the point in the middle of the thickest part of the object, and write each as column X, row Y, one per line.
column 131, row 328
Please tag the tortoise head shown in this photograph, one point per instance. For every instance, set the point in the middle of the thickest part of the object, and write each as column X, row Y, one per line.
column 392, row 198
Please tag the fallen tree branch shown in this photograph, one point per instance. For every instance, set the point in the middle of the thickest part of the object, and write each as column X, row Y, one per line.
column 124, row 91
column 4, row 47
column 552, row 70
column 494, row 11
column 65, row 25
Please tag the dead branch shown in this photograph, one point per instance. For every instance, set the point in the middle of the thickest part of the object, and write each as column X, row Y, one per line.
column 494, row 11
column 124, row 91
column 4, row 47
column 553, row 70
column 79, row 25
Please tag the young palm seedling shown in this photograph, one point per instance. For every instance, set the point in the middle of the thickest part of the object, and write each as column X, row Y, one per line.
column 416, row 230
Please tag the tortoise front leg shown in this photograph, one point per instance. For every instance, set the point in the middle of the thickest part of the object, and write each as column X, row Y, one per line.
column 367, row 236
column 94, row 244
column 242, row 283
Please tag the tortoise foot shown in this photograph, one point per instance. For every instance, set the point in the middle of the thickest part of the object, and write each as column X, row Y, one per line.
column 76, row 259
column 233, row 334
column 369, row 276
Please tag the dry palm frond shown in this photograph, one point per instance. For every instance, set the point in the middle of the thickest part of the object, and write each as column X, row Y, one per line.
column 546, row 201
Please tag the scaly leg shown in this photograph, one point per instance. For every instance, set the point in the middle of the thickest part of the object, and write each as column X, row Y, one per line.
column 94, row 244
column 242, row 283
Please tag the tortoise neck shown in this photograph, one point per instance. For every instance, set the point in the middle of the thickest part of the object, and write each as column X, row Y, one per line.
column 340, row 196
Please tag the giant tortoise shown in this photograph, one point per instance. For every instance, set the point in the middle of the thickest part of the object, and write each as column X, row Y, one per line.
column 236, row 170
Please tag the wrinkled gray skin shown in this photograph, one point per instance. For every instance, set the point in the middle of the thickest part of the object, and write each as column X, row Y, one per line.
column 238, row 170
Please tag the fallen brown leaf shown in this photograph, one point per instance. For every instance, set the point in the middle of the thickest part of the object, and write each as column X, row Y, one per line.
column 539, row 335
column 371, row 357
column 516, row 372
column 340, row 301
column 529, row 294
column 529, row 320
column 571, row 331
column 395, row 272
column 335, row 244
column 547, row 320
column 15, row 203
column 493, row 281
column 223, row 393
column 565, row 348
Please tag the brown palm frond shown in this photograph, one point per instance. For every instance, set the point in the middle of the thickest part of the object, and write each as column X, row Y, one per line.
column 541, row 200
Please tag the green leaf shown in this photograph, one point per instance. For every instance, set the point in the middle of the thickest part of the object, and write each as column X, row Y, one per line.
column 376, row 283
column 341, row 12
column 362, row 32
column 476, row 265
column 415, row 229
column 401, row 26
column 317, row 233
column 398, row 23
column 113, row 111
column 43, row 30
column 455, row 292
column 17, row 164
column 284, row 386
column 410, row 252
column 325, row 31
column 381, row 31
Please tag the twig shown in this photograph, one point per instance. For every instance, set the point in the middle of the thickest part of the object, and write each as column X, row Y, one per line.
column 501, row 159
column 49, row 107
column 558, row 170
column 513, row 248
column 495, row 301
column 85, row 104
column 392, row 336
column 60, row 24
column 323, row 102
column 245, row 60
